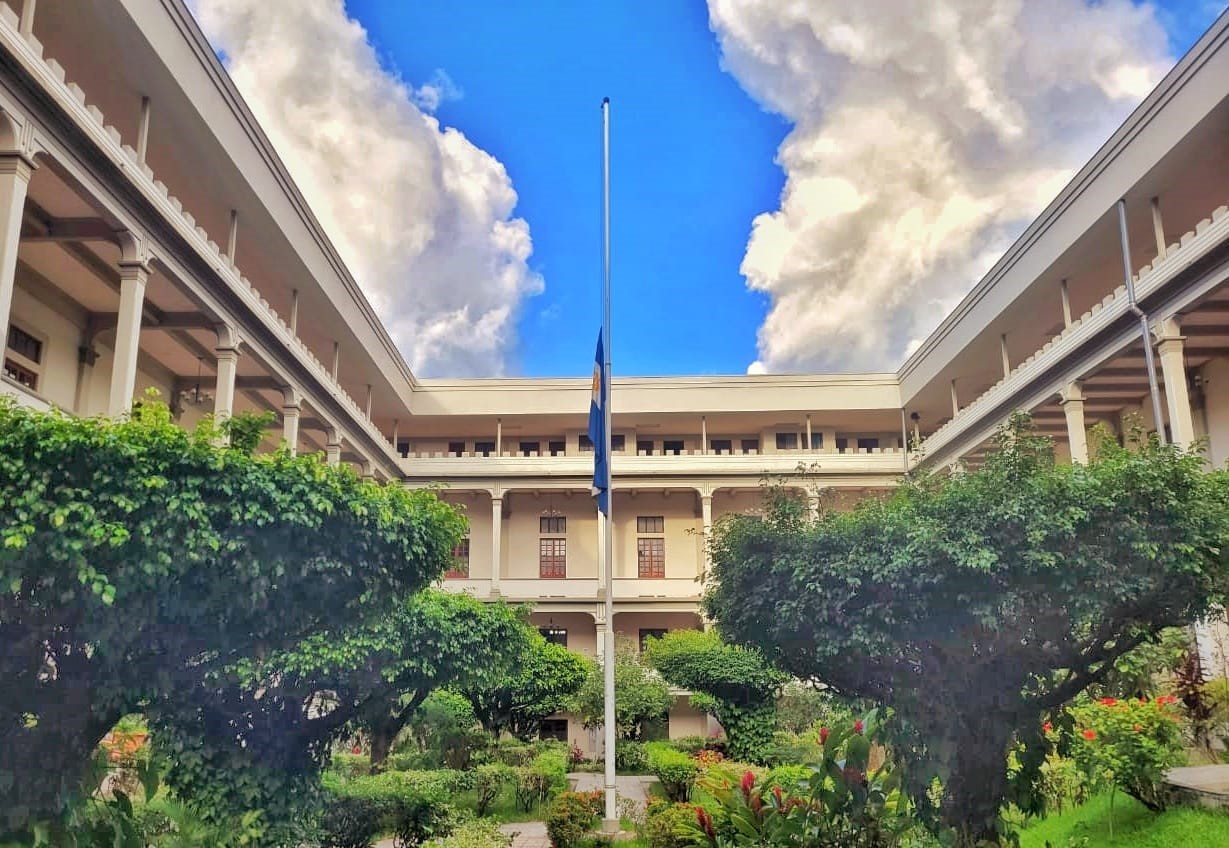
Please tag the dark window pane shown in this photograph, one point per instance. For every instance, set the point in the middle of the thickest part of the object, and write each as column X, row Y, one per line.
column 484, row 448
column 553, row 524
column 460, row 561
column 644, row 446
column 651, row 557
column 650, row 524
column 787, row 441
column 647, row 633
column 25, row 344
column 749, row 445
column 456, row 448
column 868, row 444
column 721, row 446
column 558, row 635
column 557, row 448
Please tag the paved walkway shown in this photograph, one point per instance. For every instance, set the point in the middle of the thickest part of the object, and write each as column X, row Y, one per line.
column 1209, row 784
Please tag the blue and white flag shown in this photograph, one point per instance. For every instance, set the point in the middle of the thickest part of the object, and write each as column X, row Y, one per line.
column 597, row 430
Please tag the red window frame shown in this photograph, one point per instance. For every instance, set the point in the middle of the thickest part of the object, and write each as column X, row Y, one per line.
column 651, row 557
column 552, row 558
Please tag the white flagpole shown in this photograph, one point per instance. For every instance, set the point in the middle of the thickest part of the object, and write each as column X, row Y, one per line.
column 611, row 823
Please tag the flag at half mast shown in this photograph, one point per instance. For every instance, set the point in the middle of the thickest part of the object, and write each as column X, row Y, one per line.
column 597, row 430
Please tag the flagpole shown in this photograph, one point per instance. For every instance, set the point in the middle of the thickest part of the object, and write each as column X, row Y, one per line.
column 611, row 822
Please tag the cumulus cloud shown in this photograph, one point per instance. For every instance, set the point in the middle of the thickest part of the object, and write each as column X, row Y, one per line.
column 422, row 217
column 926, row 135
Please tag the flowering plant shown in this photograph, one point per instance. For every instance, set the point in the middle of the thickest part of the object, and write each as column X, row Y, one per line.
column 843, row 802
column 1129, row 744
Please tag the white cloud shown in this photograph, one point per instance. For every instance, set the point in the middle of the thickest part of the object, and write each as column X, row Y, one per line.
column 423, row 218
column 927, row 133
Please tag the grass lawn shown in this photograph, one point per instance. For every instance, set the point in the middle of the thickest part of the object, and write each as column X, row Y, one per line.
column 1134, row 827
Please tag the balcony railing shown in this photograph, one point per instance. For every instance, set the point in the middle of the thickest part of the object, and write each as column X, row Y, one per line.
column 581, row 588
column 852, row 460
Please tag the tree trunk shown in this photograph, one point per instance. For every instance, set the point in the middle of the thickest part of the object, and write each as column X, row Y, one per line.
column 978, row 782
column 381, row 744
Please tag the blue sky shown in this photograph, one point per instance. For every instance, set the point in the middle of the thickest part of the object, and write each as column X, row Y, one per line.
column 796, row 186
column 692, row 158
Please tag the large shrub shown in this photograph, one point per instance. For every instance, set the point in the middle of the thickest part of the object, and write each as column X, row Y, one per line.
column 139, row 561
column 640, row 695
column 490, row 780
column 669, row 825
column 571, row 816
column 1130, row 744
column 741, row 686
column 975, row 603
column 630, row 757
column 414, row 807
column 674, row 770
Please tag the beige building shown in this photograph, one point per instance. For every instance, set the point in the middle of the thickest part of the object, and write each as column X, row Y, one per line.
column 121, row 268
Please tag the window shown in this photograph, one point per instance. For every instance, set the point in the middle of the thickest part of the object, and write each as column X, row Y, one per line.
column 557, row 524
column 817, row 441
column 586, row 444
column 557, row 635
column 530, row 448
column 484, row 448
column 552, row 558
column 557, row 448
column 842, row 444
column 644, row 447
column 553, row 728
column 651, row 557
column 751, row 445
column 456, row 448
column 672, row 447
column 25, row 356
column 787, row 441
column 650, row 524
column 459, row 569
column 722, row 446
column 647, row 633
column 403, row 447
column 868, row 444
column 618, row 443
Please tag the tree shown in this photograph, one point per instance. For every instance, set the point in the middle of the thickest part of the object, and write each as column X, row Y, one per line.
column 139, row 560
column 975, row 603
column 640, row 695
column 546, row 677
column 377, row 674
column 740, row 683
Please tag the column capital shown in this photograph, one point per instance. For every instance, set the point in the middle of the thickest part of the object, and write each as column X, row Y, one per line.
column 292, row 398
column 1073, row 392
column 134, row 252
column 229, row 340
column 20, row 164
column 1168, row 331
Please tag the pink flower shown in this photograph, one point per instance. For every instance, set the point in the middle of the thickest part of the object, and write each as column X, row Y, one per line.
column 858, row 726
column 1047, row 727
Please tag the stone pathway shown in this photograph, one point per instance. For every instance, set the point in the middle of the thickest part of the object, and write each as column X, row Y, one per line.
column 531, row 834
column 626, row 786
column 1208, row 784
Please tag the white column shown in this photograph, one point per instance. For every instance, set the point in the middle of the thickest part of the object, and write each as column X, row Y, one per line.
column 143, row 131
column 704, row 434
column 497, row 526
column 232, row 237
column 1066, row 303
column 332, row 447
column 955, row 401
column 368, row 470
column 292, row 411
column 396, row 434
column 706, row 516
column 1158, row 228
column 294, row 312
column 133, row 276
column 15, row 172
column 499, row 437
column 369, row 401
column 1171, row 347
column 25, row 24
column 227, row 353
column 1006, row 358
column 1071, row 398
column 807, row 446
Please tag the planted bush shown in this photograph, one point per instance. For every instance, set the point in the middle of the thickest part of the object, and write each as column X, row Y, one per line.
column 489, row 781
column 413, row 805
column 669, row 825
column 481, row 833
column 675, row 770
column 1130, row 744
column 630, row 757
column 571, row 816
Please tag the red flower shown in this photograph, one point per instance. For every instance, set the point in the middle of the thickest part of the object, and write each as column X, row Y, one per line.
column 1047, row 727
column 747, row 783
column 858, row 726
column 823, row 735
column 1138, row 728
column 757, row 803
column 776, row 793
column 1107, row 702
column 1090, row 734
column 356, row 750
column 706, row 823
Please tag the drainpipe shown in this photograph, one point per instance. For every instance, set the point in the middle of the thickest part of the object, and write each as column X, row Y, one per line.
column 1143, row 321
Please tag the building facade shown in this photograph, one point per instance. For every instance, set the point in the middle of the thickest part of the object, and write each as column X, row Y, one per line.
column 150, row 238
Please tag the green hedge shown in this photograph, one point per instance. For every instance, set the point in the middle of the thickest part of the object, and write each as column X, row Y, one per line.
column 669, row 825
column 675, row 770
column 571, row 816
column 412, row 805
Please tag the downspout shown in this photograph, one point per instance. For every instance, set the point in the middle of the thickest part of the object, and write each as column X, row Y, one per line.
column 1145, row 331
